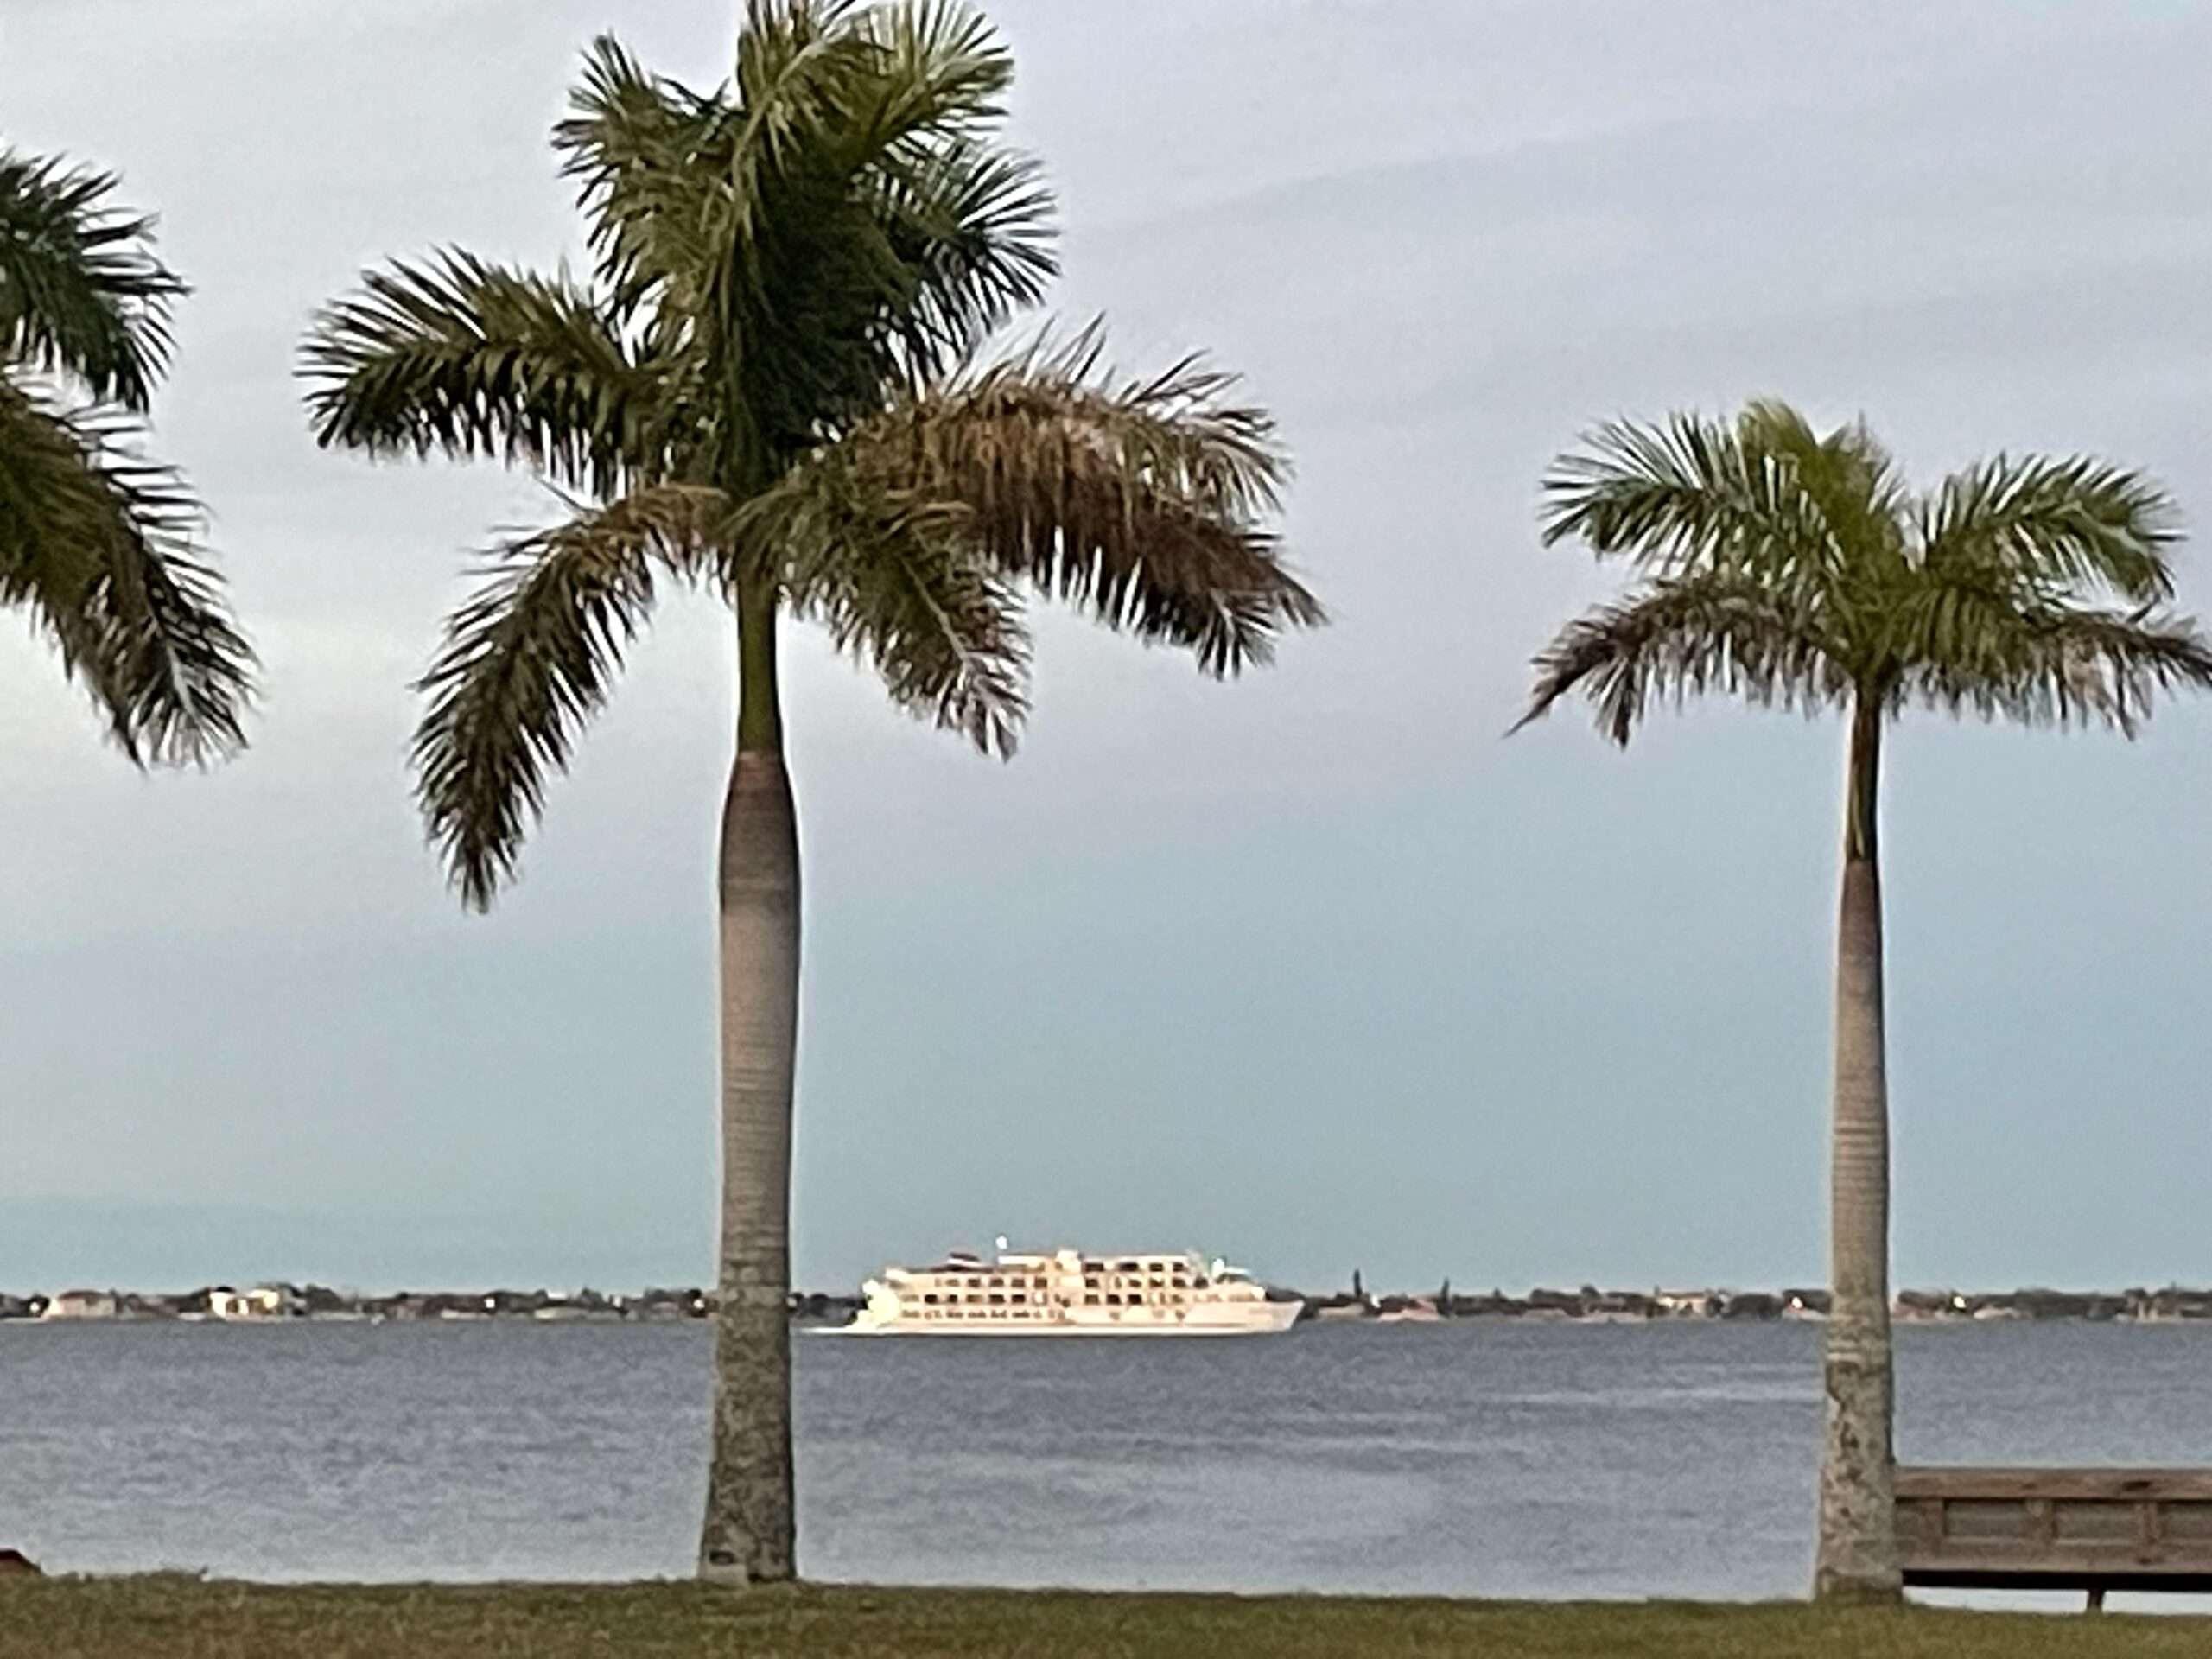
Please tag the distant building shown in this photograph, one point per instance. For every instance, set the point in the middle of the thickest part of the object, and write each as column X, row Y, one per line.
column 81, row 1305
column 262, row 1302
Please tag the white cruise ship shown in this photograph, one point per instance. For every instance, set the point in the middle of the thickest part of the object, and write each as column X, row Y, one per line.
column 1067, row 1294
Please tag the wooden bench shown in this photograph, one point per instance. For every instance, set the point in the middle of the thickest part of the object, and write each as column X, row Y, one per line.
column 2093, row 1529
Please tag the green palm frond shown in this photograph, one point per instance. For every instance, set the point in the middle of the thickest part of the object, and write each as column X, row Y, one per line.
column 1852, row 498
column 941, row 67
column 531, row 659
column 846, row 222
column 881, row 228
column 652, row 162
column 895, row 580
column 802, row 70
column 2072, row 523
column 81, row 294
column 804, row 83
column 1975, row 647
column 58, row 518
column 1141, row 501
column 975, row 224
column 1679, row 637
column 472, row 359
column 972, row 219
column 1687, row 493
column 102, row 546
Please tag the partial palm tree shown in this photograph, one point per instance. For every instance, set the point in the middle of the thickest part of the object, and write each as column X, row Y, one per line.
column 99, row 544
column 1792, row 568
column 769, row 388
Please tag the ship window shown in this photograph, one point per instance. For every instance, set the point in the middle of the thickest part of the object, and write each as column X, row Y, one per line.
column 1019, row 1298
column 1090, row 1300
column 997, row 1302
column 930, row 1299
column 997, row 1284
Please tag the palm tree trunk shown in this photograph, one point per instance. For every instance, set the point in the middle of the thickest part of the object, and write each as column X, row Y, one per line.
column 749, row 1535
column 1858, row 1555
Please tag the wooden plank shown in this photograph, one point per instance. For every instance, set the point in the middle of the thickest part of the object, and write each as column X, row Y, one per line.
column 1920, row 1524
column 2043, row 1524
column 2133, row 1484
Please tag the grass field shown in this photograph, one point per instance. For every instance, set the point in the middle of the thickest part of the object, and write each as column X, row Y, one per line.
column 188, row 1618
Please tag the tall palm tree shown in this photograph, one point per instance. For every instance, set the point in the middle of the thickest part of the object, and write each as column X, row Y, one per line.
column 768, row 389
column 99, row 544
column 1791, row 569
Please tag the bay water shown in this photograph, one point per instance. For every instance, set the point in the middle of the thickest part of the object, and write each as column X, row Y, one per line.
column 1483, row 1457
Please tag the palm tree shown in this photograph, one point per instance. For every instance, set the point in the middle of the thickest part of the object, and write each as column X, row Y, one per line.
column 97, row 543
column 1795, row 569
column 769, row 388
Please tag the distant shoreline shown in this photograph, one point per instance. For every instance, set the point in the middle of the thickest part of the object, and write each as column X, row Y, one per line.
column 278, row 1302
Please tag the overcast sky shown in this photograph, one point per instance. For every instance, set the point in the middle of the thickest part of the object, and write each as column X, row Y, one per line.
column 1315, row 969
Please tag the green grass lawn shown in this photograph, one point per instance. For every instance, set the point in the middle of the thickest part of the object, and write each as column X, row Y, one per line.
column 189, row 1619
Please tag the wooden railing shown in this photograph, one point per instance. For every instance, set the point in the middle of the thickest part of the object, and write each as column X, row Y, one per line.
column 2093, row 1529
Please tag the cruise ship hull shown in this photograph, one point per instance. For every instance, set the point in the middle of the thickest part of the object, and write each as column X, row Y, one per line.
column 1268, row 1319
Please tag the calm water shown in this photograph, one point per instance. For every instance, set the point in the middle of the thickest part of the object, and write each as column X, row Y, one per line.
column 1474, row 1457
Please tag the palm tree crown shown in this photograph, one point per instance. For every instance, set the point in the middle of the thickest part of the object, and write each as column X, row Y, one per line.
column 1798, row 570
column 767, row 386
column 99, row 544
